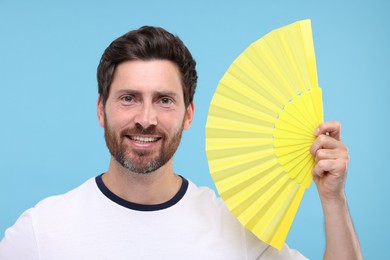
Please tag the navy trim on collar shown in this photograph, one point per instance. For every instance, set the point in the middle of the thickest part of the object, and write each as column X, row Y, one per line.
column 140, row 207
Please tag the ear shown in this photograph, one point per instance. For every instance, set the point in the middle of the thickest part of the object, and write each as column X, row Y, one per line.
column 189, row 116
column 100, row 111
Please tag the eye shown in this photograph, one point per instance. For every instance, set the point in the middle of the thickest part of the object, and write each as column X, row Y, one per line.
column 166, row 101
column 127, row 99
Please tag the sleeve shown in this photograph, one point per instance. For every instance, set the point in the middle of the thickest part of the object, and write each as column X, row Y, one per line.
column 19, row 241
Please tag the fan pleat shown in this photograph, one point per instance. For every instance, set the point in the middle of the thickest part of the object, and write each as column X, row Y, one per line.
column 272, row 213
column 306, row 39
column 239, row 163
column 298, row 65
column 238, row 116
column 242, row 85
column 227, row 153
column 259, row 182
column 233, row 105
column 259, row 203
column 262, row 79
column 223, row 144
column 266, row 205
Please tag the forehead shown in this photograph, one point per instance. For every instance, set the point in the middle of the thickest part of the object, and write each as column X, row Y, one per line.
column 158, row 75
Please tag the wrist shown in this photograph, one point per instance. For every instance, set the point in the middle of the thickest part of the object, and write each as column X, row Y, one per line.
column 334, row 202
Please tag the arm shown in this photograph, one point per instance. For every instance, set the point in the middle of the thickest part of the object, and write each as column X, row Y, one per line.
column 329, row 174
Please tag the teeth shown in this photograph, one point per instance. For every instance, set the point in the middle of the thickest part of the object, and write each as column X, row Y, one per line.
column 144, row 139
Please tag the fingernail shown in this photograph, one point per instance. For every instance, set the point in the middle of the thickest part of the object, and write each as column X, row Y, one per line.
column 317, row 131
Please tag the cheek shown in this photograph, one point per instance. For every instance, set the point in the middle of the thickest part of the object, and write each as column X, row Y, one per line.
column 116, row 122
column 170, row 122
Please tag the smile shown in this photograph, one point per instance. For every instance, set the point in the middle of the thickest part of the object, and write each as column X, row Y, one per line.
column 143, row 139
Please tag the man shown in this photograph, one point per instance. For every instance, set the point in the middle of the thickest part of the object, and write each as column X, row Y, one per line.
column 139, row 208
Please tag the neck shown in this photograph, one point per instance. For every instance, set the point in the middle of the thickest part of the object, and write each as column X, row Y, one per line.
column 147, row 189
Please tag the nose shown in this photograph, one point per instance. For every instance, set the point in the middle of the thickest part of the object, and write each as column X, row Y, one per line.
column 146, row 115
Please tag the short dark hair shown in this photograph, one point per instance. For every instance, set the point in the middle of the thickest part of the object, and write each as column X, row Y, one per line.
column 147, row 43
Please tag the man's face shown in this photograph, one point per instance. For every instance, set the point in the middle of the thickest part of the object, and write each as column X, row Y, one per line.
column 144, row 115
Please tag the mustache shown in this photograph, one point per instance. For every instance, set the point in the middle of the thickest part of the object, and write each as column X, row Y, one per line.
column 140, row 130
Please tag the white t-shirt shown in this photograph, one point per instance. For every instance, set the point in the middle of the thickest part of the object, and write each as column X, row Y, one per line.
column 90, row 222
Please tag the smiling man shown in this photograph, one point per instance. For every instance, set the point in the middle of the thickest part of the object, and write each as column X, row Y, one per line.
column 141, row 209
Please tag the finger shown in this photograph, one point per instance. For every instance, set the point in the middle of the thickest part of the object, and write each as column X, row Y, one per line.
column 333, row 128
column 329, row 154
column 321, row 168
column 325, row 142
column 335, row 167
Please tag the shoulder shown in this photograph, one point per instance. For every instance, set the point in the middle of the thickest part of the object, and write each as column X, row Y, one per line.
column 58, row 209
column 61, row 205
column 205, row 196
column 204, row 201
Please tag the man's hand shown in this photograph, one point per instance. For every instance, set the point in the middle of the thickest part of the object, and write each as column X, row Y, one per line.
column 329, row 174
column 331, row 161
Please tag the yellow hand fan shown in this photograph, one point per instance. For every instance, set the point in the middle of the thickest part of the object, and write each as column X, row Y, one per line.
column 260, row 127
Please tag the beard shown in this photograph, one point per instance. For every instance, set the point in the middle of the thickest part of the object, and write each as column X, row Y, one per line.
column 141, row 161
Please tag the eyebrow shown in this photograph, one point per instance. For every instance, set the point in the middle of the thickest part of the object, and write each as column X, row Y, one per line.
column 139, row 93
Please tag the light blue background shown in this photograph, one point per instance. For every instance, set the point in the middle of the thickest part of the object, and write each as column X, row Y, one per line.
column 50, row 140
